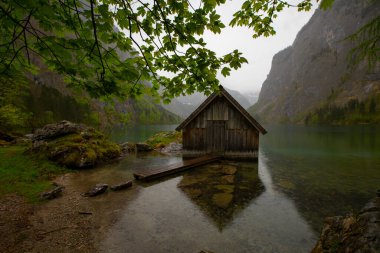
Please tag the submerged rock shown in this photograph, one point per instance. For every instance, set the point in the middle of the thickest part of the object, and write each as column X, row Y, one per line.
column 56, row 192
column 121, row 186
column 222, row 200
column 229, row 169
column 228, row 179
column 214, row 193
column 96, row 190
column 73, row 145
column 193, row 192
column 353, row 233
column 225, row 188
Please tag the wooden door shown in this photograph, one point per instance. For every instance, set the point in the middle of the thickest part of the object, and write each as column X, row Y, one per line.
column 216, row 136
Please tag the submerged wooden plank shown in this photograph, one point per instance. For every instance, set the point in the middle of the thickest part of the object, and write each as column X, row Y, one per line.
column 160, row 171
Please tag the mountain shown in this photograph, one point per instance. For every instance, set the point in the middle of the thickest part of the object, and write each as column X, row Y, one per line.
column 312, row 81
column 185, row 105
column 252, row 97
column 49, row 100
column 242, row 99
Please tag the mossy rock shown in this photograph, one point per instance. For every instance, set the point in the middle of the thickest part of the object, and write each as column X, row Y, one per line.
column 76, row 149
column 162, row 139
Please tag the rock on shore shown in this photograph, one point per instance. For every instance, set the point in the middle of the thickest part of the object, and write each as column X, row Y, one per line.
column 73, row 145
column 354, row 233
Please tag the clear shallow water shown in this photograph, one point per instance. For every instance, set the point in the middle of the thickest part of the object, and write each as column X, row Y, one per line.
column 275, row 205
column 326, row 171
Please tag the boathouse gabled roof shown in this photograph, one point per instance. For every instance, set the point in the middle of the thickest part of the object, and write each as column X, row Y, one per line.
column 234, row 103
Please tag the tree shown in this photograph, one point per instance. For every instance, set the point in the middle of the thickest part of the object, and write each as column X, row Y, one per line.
column 112, row 47
column 12, row 109
column 109, row 47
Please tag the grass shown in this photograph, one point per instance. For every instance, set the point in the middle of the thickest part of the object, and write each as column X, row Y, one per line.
column 162, row 139
column 24, row 174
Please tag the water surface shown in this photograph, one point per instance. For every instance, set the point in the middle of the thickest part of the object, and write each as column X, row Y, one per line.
column 274, row 205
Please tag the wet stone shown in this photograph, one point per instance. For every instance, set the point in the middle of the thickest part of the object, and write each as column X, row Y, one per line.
column 56, row 192
column 97, row 190
column 121, row 186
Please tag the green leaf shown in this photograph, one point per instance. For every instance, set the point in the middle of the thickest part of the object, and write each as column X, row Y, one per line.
column 226, row 71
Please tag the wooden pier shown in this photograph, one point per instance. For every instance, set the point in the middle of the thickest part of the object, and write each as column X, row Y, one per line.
column 160, row 171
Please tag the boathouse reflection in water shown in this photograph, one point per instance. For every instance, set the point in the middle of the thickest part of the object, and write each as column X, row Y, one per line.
column 222, row 189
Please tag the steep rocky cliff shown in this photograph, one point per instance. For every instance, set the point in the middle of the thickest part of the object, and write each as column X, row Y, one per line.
column 315, row 73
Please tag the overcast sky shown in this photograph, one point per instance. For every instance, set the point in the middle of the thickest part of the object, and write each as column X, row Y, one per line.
column 259, row 52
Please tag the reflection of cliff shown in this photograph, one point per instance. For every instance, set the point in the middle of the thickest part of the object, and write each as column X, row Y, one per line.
column 221, row 190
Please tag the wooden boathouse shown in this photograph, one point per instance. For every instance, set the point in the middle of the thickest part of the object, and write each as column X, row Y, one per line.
column 221, row 126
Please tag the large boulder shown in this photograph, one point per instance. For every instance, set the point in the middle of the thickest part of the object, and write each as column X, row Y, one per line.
column 73, row 145
column 353, row 233
column 52, row 131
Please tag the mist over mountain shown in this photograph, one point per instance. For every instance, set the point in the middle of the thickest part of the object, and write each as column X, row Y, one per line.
column 185, row 105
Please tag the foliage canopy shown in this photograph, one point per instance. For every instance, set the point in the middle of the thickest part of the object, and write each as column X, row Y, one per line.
column 112, row 47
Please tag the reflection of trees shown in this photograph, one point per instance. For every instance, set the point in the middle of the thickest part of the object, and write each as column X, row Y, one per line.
column 223, row 189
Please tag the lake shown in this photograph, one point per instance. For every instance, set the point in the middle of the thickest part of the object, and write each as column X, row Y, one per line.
column 274, row 205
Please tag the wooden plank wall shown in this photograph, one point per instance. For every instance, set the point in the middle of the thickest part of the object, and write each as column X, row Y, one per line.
column 240, row 134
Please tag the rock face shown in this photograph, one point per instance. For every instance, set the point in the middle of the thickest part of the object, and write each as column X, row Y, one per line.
column 353, row 233
column 73, row 145
column 315, row 70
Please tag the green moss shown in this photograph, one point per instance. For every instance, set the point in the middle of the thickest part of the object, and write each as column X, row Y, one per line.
column 77, row 150
column 24, row 174
column 162, row 139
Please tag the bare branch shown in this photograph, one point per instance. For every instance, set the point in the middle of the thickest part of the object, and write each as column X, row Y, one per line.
column 102, row 73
